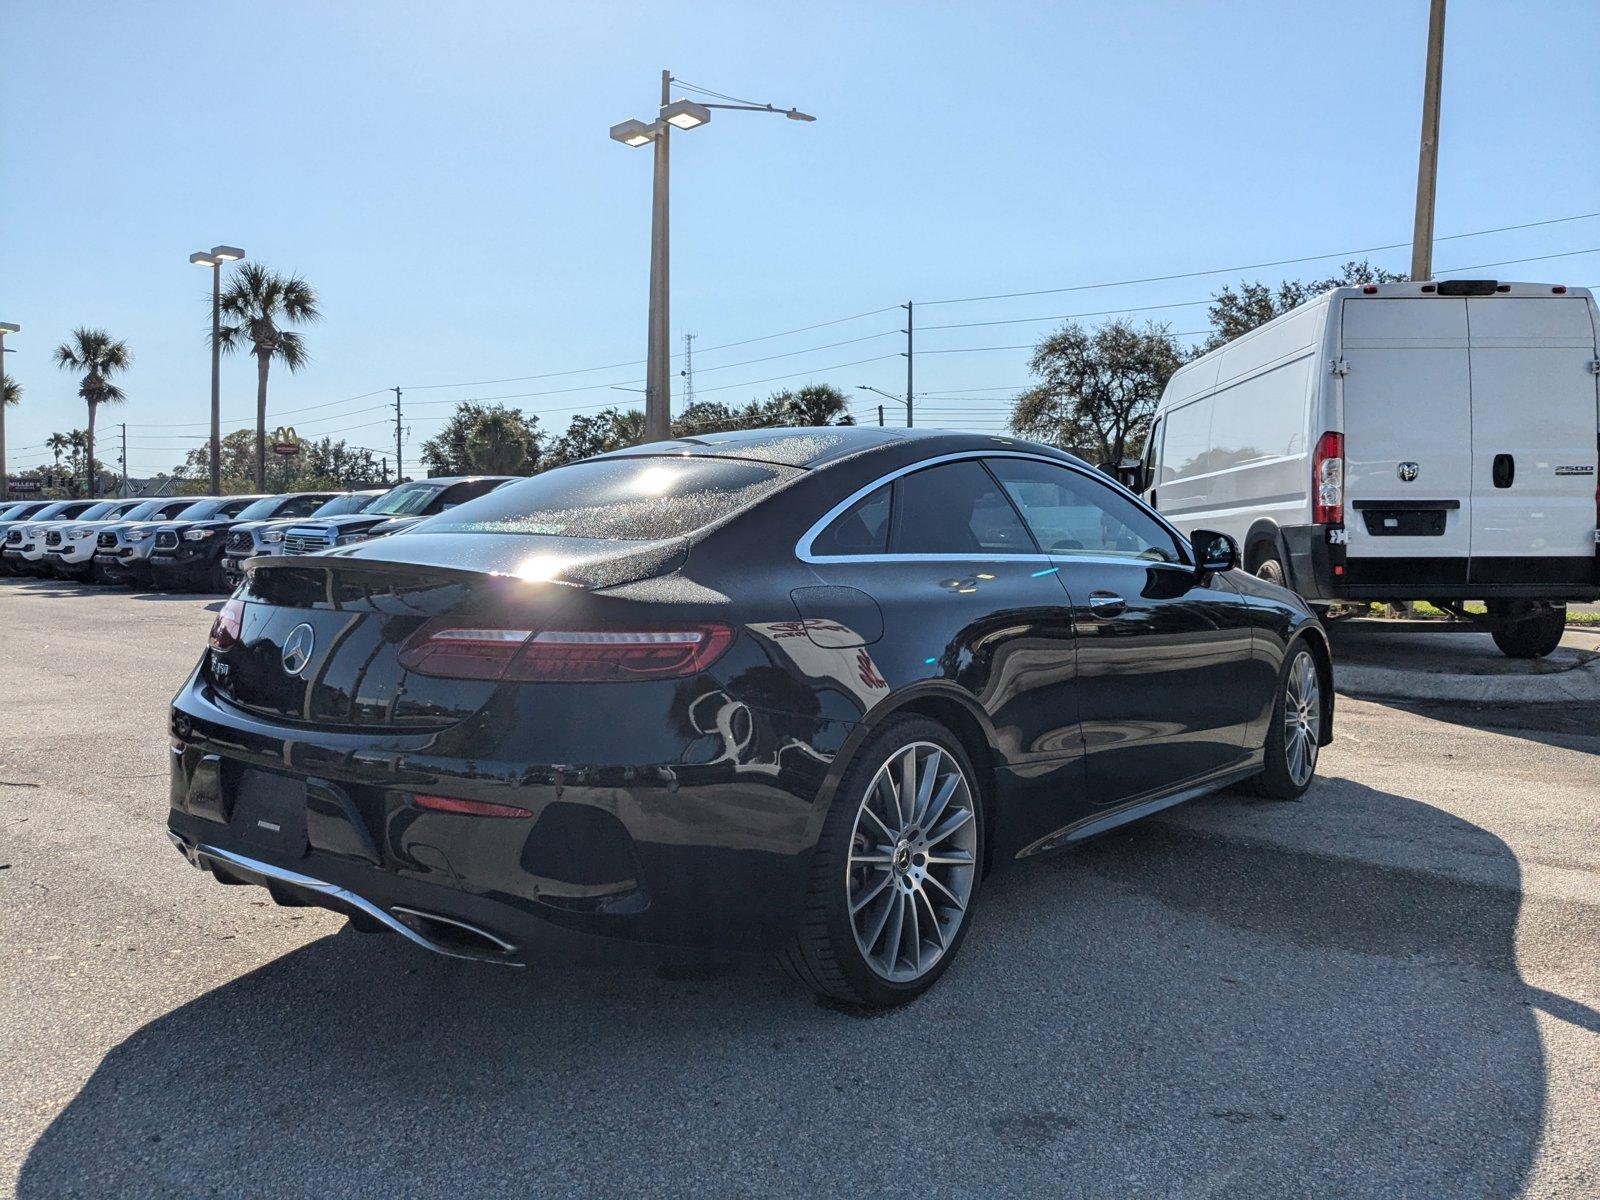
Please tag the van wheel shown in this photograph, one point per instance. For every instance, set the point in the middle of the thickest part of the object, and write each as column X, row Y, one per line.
column 1532, row 635
column 1270, row 569
column 895, row 872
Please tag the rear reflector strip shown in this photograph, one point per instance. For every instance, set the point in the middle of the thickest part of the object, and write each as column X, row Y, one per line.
column 468, row 808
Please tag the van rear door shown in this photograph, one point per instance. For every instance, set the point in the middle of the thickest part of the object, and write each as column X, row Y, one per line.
column 1408, row 432
column 1533, row 438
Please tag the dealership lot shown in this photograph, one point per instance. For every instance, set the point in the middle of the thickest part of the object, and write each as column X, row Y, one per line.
column 1390, row 987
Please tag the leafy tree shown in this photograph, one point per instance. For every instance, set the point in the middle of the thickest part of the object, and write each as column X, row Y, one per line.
column 707, row 416
column 1097, row 390
column 255, row 301
column 589, row 434
column 814, row 404
column 324, row 464
column 485, row 439
column 1234, row 313
column 98, row 356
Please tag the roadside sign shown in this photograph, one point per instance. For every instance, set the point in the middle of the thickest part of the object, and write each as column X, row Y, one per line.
column 285, row 441
column 24, row 487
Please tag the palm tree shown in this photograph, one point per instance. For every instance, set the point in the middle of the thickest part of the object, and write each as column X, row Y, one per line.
column 255, row 301
column 98, row 356
column 13, row 393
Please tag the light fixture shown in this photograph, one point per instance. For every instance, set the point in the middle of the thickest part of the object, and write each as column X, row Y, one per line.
column 633, row 133
column 794, row 114
column 201, row 259
column 8, row 327
column 226, row 253
column 685, row 114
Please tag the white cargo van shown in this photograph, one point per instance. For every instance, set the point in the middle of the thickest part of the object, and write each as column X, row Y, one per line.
column 1401, row 441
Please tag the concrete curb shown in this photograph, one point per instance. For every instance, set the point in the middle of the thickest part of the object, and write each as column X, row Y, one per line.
column 1571, row 676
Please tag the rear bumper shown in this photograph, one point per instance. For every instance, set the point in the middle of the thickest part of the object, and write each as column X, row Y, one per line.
column 178, row 569
column 711, row 856
column 1321, row 570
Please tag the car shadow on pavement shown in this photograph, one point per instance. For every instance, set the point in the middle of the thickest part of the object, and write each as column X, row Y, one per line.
column 66, row 589
column 1166, row 1011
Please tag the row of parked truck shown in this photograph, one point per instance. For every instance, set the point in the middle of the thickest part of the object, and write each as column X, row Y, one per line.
column 200, row 543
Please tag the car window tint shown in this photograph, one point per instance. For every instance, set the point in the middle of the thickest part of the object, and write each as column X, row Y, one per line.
column 299, row 506
column 471, row 490
column 1073, row 513
column 232, row 508
column 955, row 508
column 628, row 498
column 863, row 528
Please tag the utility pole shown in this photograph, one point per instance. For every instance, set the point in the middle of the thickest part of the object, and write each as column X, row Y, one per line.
column 880, row 416
column 1428, row 153
column 909, row 326
column 385, row 461
column 398, row 454
column 124, row 461
column 688, row 369
column 5, row 480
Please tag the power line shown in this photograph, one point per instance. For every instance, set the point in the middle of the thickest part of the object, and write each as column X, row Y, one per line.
column 1281, row 262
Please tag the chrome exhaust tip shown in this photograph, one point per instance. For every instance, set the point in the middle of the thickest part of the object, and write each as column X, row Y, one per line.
column 442, row 935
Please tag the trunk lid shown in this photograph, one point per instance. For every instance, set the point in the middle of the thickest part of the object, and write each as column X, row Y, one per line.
column 321, row 637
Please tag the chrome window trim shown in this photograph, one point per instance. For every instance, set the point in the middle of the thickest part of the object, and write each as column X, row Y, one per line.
column 802, row 548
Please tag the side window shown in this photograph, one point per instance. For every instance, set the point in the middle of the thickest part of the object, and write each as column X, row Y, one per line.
column 462, row 492
column 955, row 508
column 863, row 528
column 234, row 507
column 1188, row 441
column 1152, row 453
column 1071, row 513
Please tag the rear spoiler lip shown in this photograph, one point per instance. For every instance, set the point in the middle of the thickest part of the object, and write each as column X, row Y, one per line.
column 580, row 571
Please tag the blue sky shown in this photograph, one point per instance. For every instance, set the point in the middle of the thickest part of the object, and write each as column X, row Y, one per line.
column 441, row 173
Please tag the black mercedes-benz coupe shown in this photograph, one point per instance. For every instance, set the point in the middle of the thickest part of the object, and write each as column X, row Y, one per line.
column 789, row 690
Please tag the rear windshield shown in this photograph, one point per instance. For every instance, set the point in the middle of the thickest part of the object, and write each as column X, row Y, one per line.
column 199, row 510
column 407, row 500
column 628, row 499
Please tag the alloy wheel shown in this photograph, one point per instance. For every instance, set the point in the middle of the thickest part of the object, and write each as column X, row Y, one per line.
column 1302, row 718
column 913, row 860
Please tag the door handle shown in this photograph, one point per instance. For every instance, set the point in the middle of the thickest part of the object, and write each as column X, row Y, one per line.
column 1505, row 470
column 1107, row 604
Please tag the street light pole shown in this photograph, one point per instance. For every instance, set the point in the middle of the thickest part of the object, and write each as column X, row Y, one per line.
column 5, row 479
column 658, row 377
column 903, row 403
column 214, row 258
column 1428, row 151
column 682, row 114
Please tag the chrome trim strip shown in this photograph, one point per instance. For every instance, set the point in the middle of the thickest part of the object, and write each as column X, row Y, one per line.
column 344, row 895
column 508, row 947
column 802, row 548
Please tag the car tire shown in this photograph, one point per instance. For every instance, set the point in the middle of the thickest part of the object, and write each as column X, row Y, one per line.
column 1534, row 635
column 856, row 943
column 218, row 577
column 1295, row 729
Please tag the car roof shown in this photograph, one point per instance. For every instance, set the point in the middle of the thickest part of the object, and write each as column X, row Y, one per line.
column 449, row 479
column 815, row 446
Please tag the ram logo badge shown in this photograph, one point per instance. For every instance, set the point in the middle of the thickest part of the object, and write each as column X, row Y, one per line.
column 1408, row 472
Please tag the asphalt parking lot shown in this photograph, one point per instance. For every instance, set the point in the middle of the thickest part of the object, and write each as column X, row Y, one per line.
column 1389, row 988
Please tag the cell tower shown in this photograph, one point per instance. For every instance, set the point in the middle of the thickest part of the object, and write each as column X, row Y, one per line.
column 688, row 369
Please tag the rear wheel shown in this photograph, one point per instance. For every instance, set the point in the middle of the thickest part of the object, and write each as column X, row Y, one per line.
column 1530, row 633
column 895, row 872
column 219, row 576
column 1294, row 734
column 1266, row 564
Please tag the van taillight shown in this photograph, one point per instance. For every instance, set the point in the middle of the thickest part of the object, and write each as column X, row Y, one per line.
column 459, row 651
column 1327, row 480
column 226, row 628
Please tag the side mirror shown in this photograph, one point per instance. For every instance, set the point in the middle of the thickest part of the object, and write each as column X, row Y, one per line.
column 1129, row 473
column 1213, row 552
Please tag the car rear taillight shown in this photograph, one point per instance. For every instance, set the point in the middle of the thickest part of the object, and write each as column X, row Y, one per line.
column 459, row 651
column 1327, row 480
column 226, row 628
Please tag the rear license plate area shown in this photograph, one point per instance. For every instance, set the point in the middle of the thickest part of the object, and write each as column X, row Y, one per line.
column 269, row 812
column 1385, row 522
